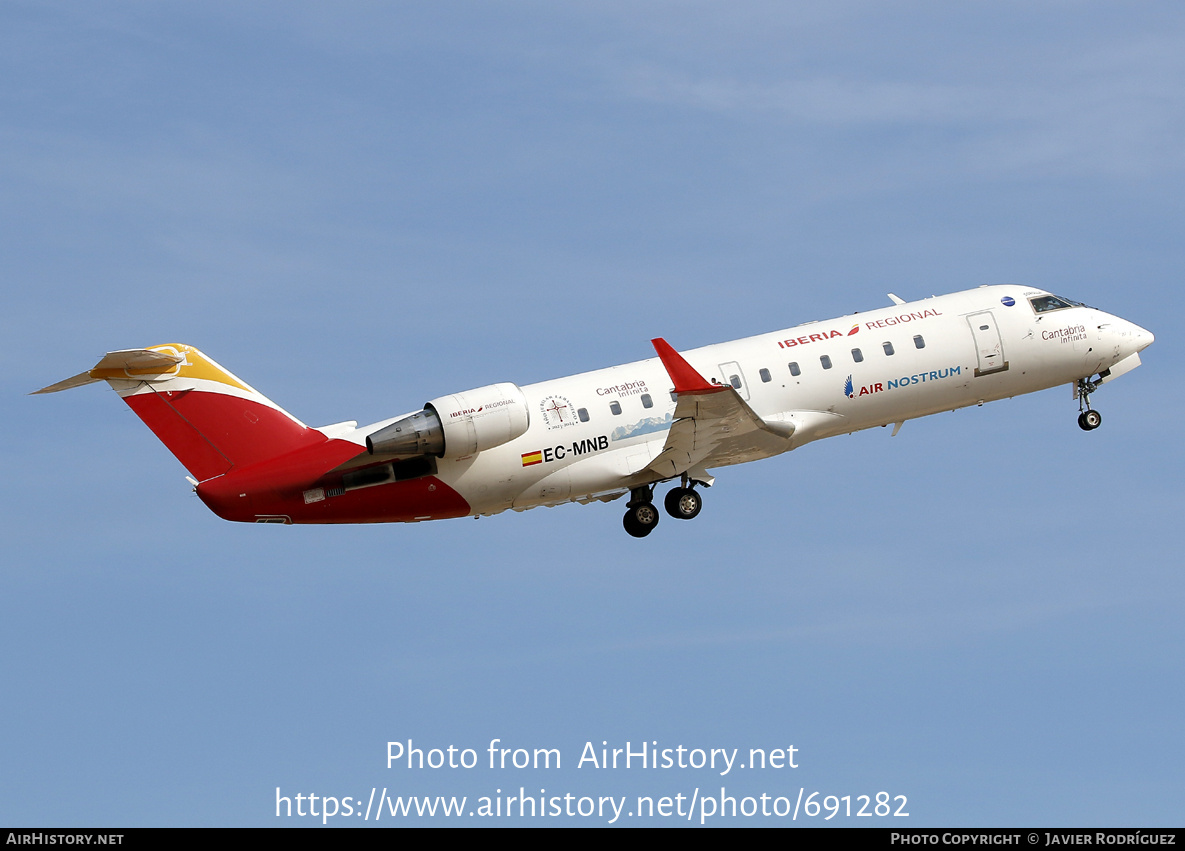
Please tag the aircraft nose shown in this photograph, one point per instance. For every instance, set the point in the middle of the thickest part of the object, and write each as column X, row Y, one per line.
column 1143, row 338
column 1132, row 339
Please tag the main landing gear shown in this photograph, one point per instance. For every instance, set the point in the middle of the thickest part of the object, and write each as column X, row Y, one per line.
column 682, row 502
column 640, row 514
column 1088, row 418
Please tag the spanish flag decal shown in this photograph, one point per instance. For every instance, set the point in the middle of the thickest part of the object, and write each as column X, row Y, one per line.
column 531, row 458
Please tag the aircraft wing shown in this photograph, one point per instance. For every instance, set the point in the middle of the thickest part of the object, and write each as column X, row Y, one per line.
column 713, row 425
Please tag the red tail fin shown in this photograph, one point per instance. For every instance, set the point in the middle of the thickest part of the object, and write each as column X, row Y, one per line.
column 208, row 418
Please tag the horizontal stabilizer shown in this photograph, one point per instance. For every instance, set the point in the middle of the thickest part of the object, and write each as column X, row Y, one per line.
column 136, row 364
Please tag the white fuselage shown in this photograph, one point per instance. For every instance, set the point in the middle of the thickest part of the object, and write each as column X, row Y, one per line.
column 592, row 435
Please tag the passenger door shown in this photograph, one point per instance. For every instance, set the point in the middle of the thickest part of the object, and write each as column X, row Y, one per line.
column 989, row 348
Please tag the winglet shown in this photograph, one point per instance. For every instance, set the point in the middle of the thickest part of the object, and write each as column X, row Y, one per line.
column 686, row 379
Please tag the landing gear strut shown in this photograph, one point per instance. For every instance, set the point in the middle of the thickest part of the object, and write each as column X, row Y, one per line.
column 1088, row 418
column 641, row 516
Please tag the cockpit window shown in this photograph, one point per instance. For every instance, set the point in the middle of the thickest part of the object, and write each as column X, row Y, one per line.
column 1046, row 303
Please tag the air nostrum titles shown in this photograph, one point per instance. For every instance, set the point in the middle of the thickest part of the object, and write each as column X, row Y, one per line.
column 851, row 392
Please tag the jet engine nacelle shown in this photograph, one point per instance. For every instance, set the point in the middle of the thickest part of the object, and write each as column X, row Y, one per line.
column 457, row 425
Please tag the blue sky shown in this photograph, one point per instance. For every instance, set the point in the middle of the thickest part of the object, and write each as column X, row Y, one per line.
column 358, row 207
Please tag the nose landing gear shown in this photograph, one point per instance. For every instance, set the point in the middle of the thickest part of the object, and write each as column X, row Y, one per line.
column 1088, row 418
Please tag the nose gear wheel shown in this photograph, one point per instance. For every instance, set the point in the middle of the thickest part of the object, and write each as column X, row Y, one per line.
column 1088, row 418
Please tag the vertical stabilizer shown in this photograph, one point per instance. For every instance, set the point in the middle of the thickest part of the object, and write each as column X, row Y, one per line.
column 207, row 417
